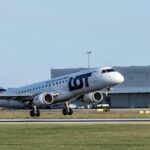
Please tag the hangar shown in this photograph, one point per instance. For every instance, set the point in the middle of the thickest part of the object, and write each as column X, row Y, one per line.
column 133, row 93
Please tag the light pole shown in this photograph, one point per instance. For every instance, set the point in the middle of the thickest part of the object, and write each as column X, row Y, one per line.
column 88, row 53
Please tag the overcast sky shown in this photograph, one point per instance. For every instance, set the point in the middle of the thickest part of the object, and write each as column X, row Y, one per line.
column 36, row 35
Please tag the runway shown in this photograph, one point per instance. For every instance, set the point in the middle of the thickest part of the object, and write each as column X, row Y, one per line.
column 74, row 121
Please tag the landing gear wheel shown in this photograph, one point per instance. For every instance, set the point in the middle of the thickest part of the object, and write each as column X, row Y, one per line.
column 70, row 111
column 38, row 113
column 65, row 112
column 32, row 113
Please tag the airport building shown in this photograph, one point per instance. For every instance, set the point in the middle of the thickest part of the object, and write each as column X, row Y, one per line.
column 133, row 93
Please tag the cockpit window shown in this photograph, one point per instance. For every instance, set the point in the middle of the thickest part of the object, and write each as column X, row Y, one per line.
column 108, row 70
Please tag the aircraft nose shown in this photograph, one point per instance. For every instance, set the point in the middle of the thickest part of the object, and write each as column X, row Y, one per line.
column 120, row 78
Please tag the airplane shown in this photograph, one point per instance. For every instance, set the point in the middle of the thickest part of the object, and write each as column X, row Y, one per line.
column 86, row 85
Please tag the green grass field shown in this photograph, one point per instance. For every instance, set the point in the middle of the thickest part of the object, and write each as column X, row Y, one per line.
column 74, row 137
column 77, row 114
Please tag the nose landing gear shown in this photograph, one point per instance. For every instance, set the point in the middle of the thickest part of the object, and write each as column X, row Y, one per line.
column 107, row 97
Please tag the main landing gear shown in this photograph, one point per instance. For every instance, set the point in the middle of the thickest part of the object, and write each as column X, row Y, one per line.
column 67, row 110
column 34, row 112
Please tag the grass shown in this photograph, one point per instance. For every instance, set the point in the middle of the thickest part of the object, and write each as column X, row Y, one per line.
column 77, row 114
column 74, row 137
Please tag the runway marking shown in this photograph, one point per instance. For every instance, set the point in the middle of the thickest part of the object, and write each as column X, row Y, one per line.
column 74, row 121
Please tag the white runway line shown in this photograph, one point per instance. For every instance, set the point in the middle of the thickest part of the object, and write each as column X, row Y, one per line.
column 74, row 121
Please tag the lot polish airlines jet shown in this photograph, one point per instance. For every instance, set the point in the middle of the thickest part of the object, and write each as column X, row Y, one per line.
column 85, row 85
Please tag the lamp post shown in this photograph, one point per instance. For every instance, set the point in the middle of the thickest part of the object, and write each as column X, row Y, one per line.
column 88, row 53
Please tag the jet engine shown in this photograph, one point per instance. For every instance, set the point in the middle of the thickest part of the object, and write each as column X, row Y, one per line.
column 93, row 97
column 43, row 99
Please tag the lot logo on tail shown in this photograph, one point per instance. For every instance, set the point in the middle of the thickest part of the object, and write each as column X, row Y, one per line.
column 79, row 81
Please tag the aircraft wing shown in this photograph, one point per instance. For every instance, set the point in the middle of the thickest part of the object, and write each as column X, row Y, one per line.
column 21, row 97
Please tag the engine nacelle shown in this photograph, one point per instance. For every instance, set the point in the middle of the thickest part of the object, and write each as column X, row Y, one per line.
column 43, row 99
column 93, row 97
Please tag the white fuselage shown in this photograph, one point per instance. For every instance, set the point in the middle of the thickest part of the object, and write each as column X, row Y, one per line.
column 72, row 85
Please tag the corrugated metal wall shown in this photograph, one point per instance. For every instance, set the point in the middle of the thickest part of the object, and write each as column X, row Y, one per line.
column 138, row 100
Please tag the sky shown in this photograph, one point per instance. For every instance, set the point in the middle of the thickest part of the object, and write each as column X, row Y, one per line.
column 37, row 35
